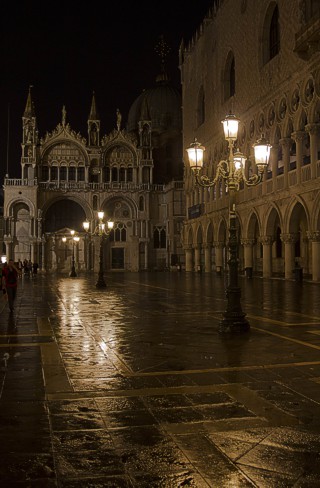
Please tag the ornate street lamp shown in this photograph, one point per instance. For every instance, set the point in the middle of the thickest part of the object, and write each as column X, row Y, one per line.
column 232, row 172
column 75, row 240
column 101, row 231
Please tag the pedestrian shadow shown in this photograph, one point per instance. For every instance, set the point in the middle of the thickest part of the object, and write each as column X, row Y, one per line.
column 12, row 324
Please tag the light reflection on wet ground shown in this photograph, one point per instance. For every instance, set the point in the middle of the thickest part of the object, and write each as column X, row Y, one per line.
column 133, row 386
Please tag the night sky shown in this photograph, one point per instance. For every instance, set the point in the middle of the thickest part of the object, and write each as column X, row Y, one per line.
column 68, row 50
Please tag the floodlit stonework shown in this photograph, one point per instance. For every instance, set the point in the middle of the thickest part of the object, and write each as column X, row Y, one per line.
column 260, row 61
column 134, row 176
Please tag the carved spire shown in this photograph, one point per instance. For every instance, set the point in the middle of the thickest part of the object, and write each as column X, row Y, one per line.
column 29, row 139
column 29, row 110
column 93, row 123
column 93, row 111
column 119, row 117
column 64, row 116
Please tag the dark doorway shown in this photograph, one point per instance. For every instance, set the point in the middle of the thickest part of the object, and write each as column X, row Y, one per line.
column 117, row 258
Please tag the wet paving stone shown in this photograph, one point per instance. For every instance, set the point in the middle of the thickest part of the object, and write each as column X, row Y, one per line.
column 118, row 404
column 85, row 420
column 186, row 478
column 167, row 401
column 209, row 398
column 133, row 386
column 82, row 440
column 97, row 482
column 221, row 412
column 19, row 468
column 128, row 418
column 73, row 406
column 178, row 415
column 88, row 463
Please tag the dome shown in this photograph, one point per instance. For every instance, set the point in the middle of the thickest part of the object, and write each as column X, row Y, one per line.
column 160, row 104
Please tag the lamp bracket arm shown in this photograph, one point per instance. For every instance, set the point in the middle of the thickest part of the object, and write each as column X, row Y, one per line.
column 222, row 172
column 254, row 179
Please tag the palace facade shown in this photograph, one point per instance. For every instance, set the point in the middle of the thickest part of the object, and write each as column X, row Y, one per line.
column 261, row 62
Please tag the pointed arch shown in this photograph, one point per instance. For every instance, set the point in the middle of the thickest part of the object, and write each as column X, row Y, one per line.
column 270, row 33
column 229, row 77
column 201, row 107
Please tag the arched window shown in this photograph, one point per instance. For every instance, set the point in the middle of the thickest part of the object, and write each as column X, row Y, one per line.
column 45, row 173
column 54, row 173
column 274, row 34
column 145, row 174
column 271, row 34
column 63, row 173
column 232, row 79
column 118, row 233
column 229, row 88
column 81, row 173
column 159, row 238
column 95, row 202
column 106, row 174
column 141, row 204
column 72, row 173
column 130, row 174
column 122, row 174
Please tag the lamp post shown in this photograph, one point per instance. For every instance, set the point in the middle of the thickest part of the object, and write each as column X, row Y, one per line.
column 101, row 231
column 75, row 240
column 232, row 172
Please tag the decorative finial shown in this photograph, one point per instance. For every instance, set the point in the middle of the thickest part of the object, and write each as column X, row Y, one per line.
column 64, row 114
column 162, row 49
column 119, row 117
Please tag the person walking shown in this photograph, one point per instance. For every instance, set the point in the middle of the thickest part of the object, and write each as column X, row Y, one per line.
column 10, row 282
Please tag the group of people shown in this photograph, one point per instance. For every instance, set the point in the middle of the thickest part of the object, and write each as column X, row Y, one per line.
column 27, row 267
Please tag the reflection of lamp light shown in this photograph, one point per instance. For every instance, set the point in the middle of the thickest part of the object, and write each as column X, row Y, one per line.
column 232, row 172
column 101, row 231
column 3, row 259
column 75, row 240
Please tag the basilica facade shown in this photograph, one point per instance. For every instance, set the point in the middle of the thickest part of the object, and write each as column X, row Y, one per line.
column 132, row 174
column 261, row 62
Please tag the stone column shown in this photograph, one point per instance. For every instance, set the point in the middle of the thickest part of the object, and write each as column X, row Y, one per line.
column 6, row 229
column 146, row 255
column 9, row 247
column 313, row 130
column 43, row 257
column 274, row 163
column 248, row 252
column 298, row 136
column 197, row 257
column 207, row 258
column 289, row 241
column 32, row 251
column 55, row 248
column 219, row 246
column 266, row 242
column 189, row 254
column 314, row 237
column 285, row 144
column 39, row 227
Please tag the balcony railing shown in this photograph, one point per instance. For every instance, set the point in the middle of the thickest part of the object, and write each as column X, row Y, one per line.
column 82, row 186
